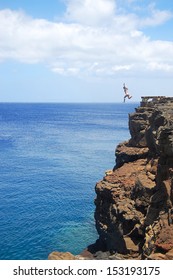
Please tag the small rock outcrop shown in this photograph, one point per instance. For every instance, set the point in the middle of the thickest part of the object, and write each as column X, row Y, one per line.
column 134, row 201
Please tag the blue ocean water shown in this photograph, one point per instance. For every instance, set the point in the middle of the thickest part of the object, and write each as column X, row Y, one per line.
column 51, row 156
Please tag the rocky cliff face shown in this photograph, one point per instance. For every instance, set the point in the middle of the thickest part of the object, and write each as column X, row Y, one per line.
column 134, row 201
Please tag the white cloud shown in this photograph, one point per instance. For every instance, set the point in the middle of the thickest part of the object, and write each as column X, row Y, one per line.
column 156, row 17
column 66, row 72
column 90, row 12
column 160, row 66
column 122, row 67
column 99, row 41
column 59, row 70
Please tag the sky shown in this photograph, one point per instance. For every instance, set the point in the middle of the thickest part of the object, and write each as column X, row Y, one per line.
column 84, row 50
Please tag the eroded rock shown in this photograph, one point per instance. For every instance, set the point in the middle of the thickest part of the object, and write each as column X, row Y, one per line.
column 134, row 203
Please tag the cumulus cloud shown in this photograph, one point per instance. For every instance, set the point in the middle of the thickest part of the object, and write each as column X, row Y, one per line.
column 156, row 17
column 93, row 38
column 90, row 12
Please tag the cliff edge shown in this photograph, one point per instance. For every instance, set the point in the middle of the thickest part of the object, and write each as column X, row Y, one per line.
column 134, row 203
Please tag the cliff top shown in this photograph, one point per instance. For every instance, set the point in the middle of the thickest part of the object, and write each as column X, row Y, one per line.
column 152, row 100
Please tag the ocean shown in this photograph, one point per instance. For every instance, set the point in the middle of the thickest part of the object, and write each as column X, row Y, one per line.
column 51, row 156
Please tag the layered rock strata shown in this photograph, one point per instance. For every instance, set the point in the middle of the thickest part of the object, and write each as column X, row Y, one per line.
column 134, row 202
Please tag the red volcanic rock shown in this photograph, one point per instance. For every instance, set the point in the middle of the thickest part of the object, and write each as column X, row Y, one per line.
column 134, row 202
column 169, row 255
column 164, row 242
column 125, row 153
column 61, row 256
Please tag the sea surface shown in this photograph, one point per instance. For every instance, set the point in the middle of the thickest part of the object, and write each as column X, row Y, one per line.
column 51, row 156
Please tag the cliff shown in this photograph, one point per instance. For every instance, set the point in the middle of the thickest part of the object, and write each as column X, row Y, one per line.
column 134, row 203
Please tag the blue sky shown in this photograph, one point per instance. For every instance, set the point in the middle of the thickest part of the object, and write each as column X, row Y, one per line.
column 84, row 50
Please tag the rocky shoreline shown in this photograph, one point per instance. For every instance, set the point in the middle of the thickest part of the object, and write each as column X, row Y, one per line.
column 134, row 200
